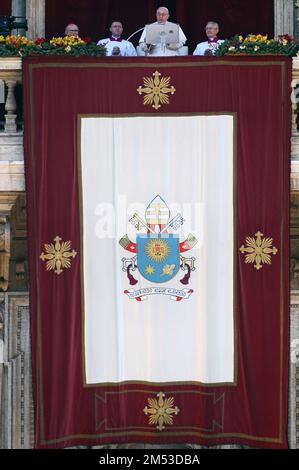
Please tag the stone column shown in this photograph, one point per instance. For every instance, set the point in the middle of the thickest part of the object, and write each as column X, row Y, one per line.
column 296, row 14
column 4, row 252
column 18, row 8
column 35, row 14
column 284, row 17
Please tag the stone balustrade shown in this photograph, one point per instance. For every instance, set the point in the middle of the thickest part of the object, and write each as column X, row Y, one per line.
column 11, row 74
column 11, row 140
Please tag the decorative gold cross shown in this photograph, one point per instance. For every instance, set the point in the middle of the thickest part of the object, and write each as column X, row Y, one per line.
column 259, row 250
column 58, row 255
column 156, row 90
column 161, row 411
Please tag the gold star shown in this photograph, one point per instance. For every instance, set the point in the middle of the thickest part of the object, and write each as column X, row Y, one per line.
column 150, row 269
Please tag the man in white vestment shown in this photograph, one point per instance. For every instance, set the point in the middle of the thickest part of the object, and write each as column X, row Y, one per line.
column 210, row 46
column 116, row 45
column 161, row 49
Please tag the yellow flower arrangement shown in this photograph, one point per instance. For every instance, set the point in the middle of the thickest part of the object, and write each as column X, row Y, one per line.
column 17, row 41
column 259, row 44
column 67, row 41
column 257, row 38
column 70, row 45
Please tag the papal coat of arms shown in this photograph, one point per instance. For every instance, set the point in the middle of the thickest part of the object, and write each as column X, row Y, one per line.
column 158, row 253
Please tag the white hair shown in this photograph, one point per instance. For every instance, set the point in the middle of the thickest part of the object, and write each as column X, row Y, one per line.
column 213, row 23
column 162, row 8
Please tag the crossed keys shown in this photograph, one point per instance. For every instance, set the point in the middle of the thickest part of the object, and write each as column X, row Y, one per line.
column 138, row 222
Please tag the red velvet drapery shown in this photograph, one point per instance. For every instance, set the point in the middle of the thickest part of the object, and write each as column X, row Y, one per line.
column 253, row 411
column 5, row 7
column 94, row 16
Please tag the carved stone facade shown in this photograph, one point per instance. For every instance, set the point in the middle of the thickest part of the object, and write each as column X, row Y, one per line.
column 16, row 402
column 16, row 412
column 1, row 363
column 294, row 374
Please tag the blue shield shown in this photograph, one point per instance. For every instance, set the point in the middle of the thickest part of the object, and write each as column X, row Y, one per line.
column 158, row 256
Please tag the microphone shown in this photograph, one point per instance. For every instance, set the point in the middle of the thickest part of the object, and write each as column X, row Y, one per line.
column 138, row 31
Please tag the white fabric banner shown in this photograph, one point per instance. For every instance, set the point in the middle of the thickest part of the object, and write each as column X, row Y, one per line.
column 141, row 322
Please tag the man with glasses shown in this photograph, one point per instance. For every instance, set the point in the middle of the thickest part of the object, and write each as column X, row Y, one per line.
column 71, row 30
column 210, row 46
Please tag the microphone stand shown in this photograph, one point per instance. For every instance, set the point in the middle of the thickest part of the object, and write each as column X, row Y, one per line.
column 138, row 31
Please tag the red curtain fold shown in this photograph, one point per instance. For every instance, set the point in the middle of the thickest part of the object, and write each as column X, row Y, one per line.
column 253, row 412
column 233, row 16
column 94, row 17
column 5, row 7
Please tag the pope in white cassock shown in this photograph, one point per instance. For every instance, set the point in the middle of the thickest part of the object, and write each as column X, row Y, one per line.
column 160, row 49
column 116, row 45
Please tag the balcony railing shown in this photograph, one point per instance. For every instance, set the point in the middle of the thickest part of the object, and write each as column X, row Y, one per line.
column 11, row 75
